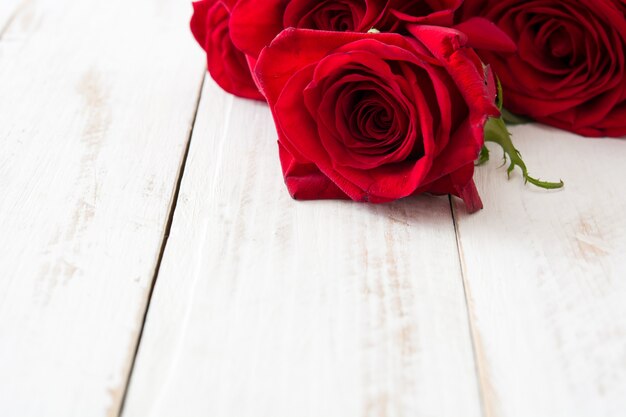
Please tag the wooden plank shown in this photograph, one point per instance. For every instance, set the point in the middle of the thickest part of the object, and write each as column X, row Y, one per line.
column 96, row 103
column 269, row 307
column 545, row 273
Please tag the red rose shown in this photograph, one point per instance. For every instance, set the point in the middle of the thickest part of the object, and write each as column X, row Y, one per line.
column 226, row 64
column 430, row 12
column 480, row 32
column 377, row 117
column 569, row 71
column 255, row 23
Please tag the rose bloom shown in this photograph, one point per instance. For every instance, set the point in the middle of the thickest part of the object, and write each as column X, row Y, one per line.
column 431, row 12
column 227, row 65
column 233, row 32
column 377, row 117
column 255, row 23
column 570, row 66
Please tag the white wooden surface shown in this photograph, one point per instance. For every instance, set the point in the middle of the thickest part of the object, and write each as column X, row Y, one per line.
column 264, row 306
column 93, row 127
column 546, row 279
column 269, row 307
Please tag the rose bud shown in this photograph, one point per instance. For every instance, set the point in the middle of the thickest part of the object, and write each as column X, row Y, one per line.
column 226, row 64
column 377, row 117
column 570, row 66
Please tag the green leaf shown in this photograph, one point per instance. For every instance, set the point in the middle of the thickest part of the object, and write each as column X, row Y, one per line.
column 514, row 119
column 497, row 132
column 483, row 158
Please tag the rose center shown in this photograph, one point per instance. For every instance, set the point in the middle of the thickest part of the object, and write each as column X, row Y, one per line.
column 560, row 41
column 325, row 15
column 560, row 44
column 375, row 124
column 335, row 19
column 416, row 8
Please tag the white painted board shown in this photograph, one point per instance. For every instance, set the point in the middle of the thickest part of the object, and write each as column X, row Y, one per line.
column 96, row 104
column 546, row 277
column 269, row 307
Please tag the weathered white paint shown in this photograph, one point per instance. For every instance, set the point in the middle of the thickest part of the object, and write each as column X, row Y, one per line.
column 266, row 306
column 96, row 103
column 269, row 307
column 546, row 278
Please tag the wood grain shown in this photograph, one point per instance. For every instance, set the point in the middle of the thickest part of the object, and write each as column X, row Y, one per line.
column 96, row 103
column 265, row 306
column 546, row 280
column 269, row 307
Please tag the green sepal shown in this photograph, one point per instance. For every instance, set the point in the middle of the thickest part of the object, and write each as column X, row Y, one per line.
column 513, row 119
column 497, row 132
column 483, row 158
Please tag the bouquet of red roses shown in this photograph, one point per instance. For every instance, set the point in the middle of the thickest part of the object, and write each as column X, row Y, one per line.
column 376, row 100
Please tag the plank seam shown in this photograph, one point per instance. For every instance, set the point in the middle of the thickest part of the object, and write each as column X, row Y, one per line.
column 478, row 365
column 166, row 235
column 11, row 19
